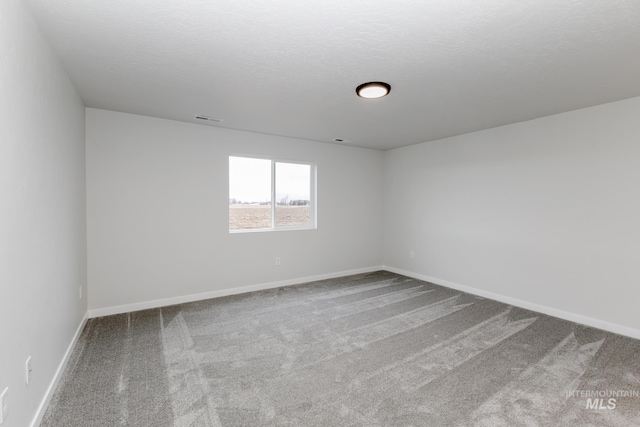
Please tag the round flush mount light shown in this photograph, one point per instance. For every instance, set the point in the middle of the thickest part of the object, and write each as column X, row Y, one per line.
column 373, row 90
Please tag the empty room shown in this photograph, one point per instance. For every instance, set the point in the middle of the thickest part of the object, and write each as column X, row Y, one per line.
column 320, row 213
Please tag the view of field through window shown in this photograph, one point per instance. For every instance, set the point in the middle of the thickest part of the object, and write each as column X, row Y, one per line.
column 253, row 183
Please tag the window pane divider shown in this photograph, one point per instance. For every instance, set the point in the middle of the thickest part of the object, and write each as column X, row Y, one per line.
column 273, row 194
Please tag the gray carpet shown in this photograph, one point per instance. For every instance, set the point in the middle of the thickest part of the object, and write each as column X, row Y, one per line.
column 375, row 349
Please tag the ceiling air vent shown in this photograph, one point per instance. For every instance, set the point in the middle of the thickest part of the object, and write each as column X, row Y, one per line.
column 208, row 119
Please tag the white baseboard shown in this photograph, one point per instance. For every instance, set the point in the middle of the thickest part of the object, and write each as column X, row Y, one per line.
column 37, row 419
column 572, row 317
column 127, row 308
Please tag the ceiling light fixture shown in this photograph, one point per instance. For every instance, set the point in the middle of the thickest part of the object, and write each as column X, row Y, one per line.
column 373, row 90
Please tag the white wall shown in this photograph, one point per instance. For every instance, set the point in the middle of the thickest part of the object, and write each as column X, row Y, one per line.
column 157, row 211
column 545, row 211
column 42, row 212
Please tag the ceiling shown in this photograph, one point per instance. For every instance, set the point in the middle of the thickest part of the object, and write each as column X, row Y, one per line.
column 290, row 67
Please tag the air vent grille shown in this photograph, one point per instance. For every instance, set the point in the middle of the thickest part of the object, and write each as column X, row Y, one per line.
column 208, row 119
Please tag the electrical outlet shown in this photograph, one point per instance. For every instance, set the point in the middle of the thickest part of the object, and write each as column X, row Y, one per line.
column 3, row 406
column 412, row 254
column 28, row 370
column 278, row 260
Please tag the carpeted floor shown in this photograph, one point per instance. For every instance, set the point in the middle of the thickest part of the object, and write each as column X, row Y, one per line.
column 376, row 349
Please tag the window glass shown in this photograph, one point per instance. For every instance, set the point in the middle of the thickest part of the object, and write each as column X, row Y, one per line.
column 293, row 195
column 267, row 194
column 249, row 193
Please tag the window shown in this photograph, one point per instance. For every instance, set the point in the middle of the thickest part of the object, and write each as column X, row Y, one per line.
column 268, row 194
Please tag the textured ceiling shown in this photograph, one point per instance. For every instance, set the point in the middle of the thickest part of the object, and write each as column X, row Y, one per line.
column 290, row 67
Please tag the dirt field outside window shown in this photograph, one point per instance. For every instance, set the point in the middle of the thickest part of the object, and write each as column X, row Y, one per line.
column 253, row 217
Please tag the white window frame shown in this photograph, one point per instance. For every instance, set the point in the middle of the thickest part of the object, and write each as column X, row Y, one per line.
column 313, row 196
